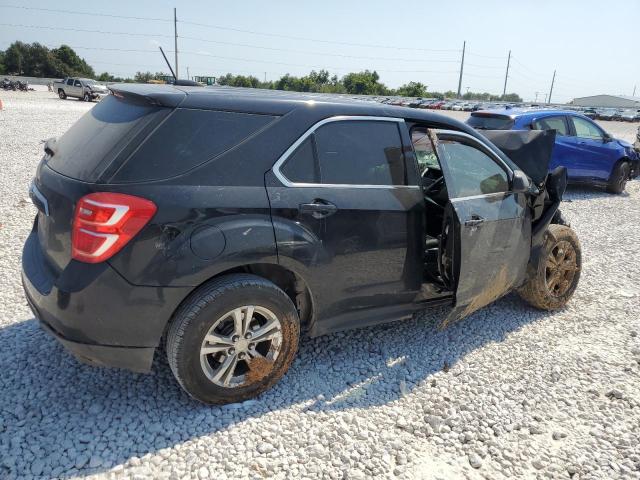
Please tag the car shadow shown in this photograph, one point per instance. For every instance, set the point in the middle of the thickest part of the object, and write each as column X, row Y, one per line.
column 80, row 420
column 576, row 193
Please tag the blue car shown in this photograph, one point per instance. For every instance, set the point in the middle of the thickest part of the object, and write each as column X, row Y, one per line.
column 589, row 153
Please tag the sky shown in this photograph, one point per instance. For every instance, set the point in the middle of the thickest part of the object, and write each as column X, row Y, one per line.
column 592, row 45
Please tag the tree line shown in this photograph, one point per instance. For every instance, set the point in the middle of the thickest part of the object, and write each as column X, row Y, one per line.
column 36, row 60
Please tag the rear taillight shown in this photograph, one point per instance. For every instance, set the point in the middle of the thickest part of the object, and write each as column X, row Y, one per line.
column 105, row 222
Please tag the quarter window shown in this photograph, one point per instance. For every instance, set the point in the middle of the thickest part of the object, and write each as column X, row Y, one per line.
column 301, row 167
column 77, row 83
column 552, row 123
column 471, row 171
column 351, row 152
column 586, row 129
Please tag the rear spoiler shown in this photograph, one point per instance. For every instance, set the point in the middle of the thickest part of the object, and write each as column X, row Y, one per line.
column 159, row 95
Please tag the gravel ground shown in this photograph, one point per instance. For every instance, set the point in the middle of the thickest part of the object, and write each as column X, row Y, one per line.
column 508, row 393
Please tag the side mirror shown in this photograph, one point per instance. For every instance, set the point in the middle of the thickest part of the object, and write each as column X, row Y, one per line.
column 520, row 182
column 607, row 138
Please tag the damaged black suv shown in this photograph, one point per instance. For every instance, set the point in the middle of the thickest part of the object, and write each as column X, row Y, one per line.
column 222, row 223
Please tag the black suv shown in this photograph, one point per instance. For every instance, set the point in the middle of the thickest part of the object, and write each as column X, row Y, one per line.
column 223, row 222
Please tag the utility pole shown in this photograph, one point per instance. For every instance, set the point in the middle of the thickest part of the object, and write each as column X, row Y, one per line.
column 536, row 100
column 188, row 76
column 553, row 80
column 265, row 77
column 175, row 32
column 464, row 46
column 506, row 75
column 634, row 91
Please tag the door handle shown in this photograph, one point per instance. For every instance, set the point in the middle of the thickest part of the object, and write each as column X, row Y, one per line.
column 474, row 221
column 318, row 208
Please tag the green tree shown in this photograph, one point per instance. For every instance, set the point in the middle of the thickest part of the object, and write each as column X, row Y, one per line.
column 77, row 66
column 145, row 77
column 364, row 83
column 15, row 57
column 36, row 60
column 511, row 97
column 412, row 89
column 239, row 81
column 2, row 67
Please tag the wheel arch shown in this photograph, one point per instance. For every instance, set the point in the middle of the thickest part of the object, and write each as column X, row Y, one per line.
column 622, row 159
column 290, row 282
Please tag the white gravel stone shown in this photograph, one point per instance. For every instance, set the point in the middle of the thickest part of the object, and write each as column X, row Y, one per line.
column 367, row 403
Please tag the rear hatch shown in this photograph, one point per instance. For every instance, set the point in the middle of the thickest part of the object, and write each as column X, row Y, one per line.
column 80, row 161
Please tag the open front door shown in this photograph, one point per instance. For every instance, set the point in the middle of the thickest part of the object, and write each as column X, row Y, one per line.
column 490, row 225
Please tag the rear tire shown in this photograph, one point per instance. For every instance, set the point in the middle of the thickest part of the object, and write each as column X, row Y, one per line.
column 214, row 364
column 61, row 94
column 619, row 178
column 550, row 284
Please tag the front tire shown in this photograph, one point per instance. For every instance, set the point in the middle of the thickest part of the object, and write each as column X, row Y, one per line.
column 61, row 94
column 550, row 284
column 619, row 178
column 232, row 339
column 86, row 97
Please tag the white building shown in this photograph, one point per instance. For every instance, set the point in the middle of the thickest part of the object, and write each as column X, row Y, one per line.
column 614, row 101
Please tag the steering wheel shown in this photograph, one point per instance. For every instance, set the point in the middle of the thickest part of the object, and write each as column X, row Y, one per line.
column 439, row 182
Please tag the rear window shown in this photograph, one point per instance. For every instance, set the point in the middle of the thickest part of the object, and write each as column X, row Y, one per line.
column 95, row 140
column 485, row 121
column 186, row 139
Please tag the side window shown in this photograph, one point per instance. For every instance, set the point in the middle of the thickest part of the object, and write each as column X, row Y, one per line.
column 358, row 152
column 187, row 139
column 425, row 154
column 77, row 83
column 552, row 123
column 586, row 129
column 70, row 82
column 470, row 171
column 301, row 166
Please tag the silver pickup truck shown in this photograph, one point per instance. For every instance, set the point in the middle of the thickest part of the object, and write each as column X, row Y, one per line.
column 80, row 88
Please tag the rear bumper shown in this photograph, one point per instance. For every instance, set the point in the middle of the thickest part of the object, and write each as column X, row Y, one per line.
column 136, row 359
column 95, row 313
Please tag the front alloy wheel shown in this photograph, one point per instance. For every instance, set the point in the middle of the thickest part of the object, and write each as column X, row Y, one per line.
column 619, row 178
column 553, row 276
column 561, row 268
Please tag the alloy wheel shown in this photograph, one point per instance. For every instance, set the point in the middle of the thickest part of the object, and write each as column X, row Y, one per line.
column 561, row 268
column 241, row 346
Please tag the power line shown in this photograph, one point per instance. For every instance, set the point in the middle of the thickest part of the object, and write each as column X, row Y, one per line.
column 68, row 29
column 473, row 54
column 225, row 28
column 206, row 54
column 136, row 34
column 305, row 52
column 78, row 12
column 318, row 40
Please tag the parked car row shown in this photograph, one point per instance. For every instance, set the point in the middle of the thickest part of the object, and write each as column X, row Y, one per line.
column 439, row 104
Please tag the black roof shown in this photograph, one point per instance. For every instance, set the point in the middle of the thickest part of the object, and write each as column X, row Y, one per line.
column 277, row 102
